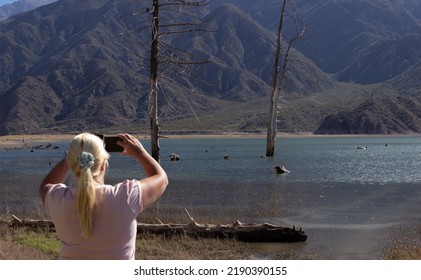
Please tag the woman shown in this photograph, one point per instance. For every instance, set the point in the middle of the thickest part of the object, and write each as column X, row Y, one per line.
column 95, row 220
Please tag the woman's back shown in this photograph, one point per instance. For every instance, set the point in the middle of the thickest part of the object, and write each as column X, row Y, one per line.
column 95, row 220
column 114, row 224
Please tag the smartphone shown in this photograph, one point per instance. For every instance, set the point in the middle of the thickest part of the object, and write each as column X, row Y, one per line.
column 110, row 143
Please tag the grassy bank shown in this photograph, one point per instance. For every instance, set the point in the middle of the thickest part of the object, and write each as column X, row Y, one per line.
column 40, row 244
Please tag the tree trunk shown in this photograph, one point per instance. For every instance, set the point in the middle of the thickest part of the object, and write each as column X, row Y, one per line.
column 153, row 102
column 273, row 106
column 239, row 231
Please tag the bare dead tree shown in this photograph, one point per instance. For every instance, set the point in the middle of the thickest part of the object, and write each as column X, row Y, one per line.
column 162, row 52
column 153, row 98
column 165, row 19
column 278, row 81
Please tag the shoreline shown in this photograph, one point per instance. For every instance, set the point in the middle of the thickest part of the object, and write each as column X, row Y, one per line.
column 26, row 141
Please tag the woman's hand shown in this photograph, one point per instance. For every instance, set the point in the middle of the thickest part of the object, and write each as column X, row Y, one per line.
column 131, row 145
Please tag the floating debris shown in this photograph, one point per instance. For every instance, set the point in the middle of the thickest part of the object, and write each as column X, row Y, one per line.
column 280, row 169
column 174, row 157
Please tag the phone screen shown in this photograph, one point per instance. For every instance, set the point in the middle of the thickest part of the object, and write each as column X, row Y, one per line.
column 111, row 144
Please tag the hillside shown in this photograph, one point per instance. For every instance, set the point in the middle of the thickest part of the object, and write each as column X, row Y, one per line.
column 78, row 65
column 393, row 115
column 362, row 41
column 94, row 76
column 21, row 6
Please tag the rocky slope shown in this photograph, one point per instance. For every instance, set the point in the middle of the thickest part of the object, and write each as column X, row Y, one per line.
column 78, row 65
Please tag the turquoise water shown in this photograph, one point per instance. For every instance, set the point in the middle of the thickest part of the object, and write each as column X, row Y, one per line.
column 348, row 200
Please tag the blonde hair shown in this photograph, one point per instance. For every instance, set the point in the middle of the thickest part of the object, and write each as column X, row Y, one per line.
column 82, row 145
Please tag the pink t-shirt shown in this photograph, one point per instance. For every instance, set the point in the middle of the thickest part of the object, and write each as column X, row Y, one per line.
column 114, row 223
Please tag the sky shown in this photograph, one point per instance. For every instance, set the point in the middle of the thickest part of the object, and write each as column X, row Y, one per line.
column 4, row 2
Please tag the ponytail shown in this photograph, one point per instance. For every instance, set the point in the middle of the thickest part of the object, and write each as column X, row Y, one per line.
column 86, row 200
column 86, row 156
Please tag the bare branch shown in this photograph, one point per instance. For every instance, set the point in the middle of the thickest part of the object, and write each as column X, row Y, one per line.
column 182, row 32
column 170, row 49
column 186, row 3
column 284, row 66
column 179, row 89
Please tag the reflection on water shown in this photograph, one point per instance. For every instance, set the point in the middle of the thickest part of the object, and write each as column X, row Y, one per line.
column 346, row 199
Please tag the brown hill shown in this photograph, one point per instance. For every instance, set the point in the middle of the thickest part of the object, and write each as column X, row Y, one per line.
column 392, row 115
column 83, row 65
column 21, row 6
column 88, row 59
column 363, row 41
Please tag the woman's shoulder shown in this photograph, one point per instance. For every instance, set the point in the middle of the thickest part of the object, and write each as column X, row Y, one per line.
column 126, row 186
column 58, row 187
column 59, row 191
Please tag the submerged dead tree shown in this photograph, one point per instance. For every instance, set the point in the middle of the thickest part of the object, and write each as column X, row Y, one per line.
column 153, row 98
column 163, row 52
column 279, row 75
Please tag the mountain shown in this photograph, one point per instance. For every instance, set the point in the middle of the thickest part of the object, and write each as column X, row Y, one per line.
column 408, row 82
column 394, row 115
column 77, row 64
column 240, row 45
column 61, row 48
column 362, row 41
column 367, row 41
column 21, row 6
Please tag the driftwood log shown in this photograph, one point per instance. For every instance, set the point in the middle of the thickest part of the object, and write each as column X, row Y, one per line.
column 240, row 231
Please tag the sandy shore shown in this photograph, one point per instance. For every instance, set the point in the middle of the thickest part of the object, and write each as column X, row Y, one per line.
column 27, row 141
column 10, row 142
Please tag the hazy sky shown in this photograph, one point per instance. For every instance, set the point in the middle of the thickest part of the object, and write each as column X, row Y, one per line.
column 3, row 2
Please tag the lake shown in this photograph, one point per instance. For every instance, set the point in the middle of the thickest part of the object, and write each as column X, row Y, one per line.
column 348, row 200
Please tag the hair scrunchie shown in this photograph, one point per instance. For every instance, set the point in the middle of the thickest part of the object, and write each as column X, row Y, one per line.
column 85, row 160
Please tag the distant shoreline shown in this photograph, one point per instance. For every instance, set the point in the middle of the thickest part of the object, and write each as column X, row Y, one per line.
column 10, row 142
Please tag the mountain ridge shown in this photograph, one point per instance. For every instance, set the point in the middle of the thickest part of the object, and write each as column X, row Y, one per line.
column 337, row 28
column 21, row 6
column 77, row 65
column 95, row 79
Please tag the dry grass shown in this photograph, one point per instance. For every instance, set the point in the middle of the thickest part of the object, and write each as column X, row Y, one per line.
column 39, row 244
column 156, row 247
column 406, row 242
column 403, row 252
column 21, row 244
